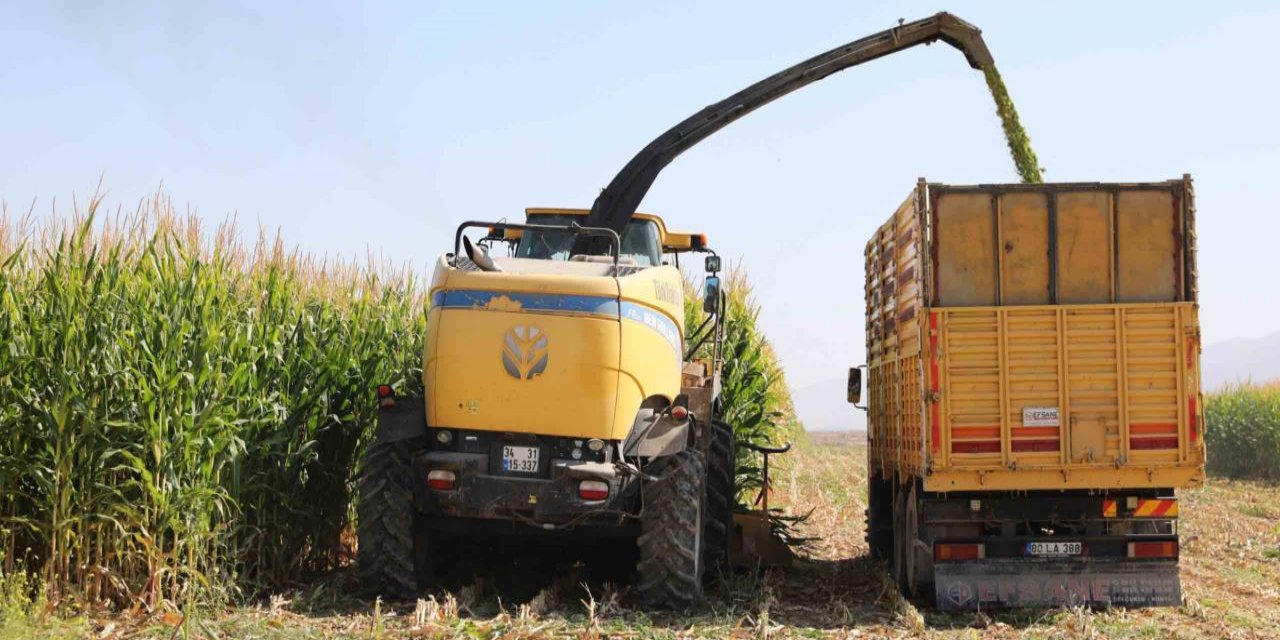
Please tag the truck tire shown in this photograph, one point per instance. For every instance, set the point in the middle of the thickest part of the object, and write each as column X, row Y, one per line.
column 919, row 574
column 899, row 565
column 388, row 553
column 670, row 542
column 721, row 498
column 880, row 519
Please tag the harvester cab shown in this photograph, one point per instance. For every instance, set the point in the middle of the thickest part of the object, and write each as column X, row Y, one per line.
column 564, row 397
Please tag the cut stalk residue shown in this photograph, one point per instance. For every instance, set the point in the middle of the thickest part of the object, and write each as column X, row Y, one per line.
column 1024, row 158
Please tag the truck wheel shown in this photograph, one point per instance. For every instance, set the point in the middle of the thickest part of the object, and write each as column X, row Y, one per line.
column 721, row 498
column 880, row 519
column 389, row 544
column 899, row 564
column 919, row 573
column 670, row 564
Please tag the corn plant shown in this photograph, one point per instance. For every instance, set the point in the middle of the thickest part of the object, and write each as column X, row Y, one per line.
column 180, row 413
column 754, row 397
column 1242, row 431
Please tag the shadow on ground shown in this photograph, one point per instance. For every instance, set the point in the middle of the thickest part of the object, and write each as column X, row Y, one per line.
column 822, row 594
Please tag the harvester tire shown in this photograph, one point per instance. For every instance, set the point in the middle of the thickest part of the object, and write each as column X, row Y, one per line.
column 385, row 528
column 721, row 498
column 670, row 565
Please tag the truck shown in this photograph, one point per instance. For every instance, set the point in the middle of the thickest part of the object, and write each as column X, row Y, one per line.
column 1033, row 392
column 566, row 401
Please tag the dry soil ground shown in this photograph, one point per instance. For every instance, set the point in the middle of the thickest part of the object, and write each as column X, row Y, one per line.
column 1230, row 568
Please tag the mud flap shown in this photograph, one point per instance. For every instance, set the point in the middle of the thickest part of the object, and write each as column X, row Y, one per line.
column 404, row 420
column 1029, row 583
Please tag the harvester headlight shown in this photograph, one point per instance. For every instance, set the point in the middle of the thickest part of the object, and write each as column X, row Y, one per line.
column 595, row 444
column 577, row 454
column 444, row 436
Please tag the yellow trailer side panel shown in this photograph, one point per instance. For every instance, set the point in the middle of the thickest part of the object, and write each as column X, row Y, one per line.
column 1084, row 247
column 1024, row 251
column 1080, row 390
column 1036, row 337
column 1147, row 238
column 967, row 261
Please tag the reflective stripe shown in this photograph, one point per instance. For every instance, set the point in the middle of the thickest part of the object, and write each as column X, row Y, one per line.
column 1156, row 508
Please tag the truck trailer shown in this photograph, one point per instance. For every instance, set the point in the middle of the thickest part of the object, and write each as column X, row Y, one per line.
column 1033, row 392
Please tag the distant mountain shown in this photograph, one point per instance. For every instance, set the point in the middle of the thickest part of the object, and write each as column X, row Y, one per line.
column 1240, row 359
column 822, row 407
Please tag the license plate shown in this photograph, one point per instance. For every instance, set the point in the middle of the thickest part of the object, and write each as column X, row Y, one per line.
column 1055, row 549
column 520, row 459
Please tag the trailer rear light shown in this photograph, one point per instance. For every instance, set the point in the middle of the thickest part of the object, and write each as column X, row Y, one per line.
column 593, row 490
column 1167, row 549
column 944, row 551
column 441, row 479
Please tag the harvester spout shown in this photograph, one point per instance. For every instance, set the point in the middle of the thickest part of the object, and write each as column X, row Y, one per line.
column 615, row 205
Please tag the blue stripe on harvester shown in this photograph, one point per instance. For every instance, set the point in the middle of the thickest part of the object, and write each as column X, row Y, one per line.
column 547, row 302
column 471, row 298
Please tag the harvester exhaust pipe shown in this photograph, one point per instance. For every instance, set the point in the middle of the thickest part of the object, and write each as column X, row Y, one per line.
column 479, row 254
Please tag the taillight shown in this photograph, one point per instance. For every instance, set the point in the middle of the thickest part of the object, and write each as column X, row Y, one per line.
column 679, row 413
column 1166, row 549
column 441, row 479
column 593, row 490
column 958, row 551
column 386, row 396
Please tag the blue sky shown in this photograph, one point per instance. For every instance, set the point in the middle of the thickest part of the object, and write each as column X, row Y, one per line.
column 355, row 128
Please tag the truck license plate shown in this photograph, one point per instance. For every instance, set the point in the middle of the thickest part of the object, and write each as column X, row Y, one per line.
column 520, row 459
column 1055, row 549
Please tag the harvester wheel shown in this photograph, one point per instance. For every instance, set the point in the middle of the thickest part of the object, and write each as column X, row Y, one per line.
column 670, row 564
column 385, row 529
column 721, row 497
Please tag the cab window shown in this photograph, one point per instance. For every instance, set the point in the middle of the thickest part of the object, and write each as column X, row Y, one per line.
column 640, row 240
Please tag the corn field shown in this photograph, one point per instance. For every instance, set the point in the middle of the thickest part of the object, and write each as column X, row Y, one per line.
column 181, row 414
column 1242, row 431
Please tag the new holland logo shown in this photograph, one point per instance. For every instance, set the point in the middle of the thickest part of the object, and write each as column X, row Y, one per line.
column 524, row 352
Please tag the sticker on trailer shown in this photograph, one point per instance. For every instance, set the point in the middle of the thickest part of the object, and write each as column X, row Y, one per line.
column 1040, row 417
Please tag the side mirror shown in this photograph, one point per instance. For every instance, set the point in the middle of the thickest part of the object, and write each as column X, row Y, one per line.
column 855, row 385
column 711, row 295
column 713, row 264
